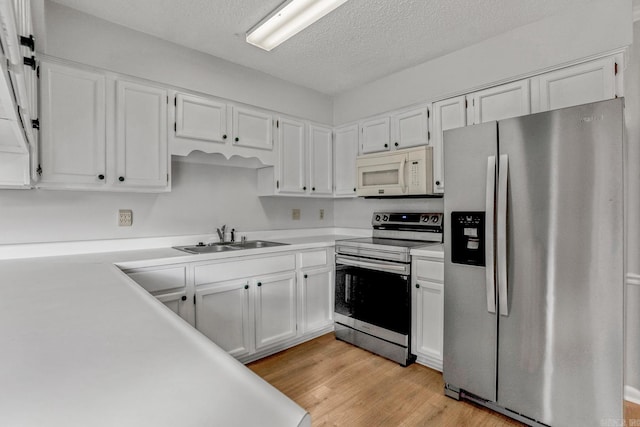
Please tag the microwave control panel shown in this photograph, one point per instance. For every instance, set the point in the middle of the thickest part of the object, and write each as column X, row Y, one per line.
column 414, row 174
column 467, row 238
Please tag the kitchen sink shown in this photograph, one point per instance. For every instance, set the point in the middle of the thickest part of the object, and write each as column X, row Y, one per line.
column 225, row 247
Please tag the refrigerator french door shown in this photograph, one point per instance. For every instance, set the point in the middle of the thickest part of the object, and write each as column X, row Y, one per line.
column 534, row 244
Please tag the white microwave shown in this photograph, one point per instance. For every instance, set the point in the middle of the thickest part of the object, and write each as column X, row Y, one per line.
column 407, row 172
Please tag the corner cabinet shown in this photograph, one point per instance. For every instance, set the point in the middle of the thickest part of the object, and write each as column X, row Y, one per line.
column 345, row 149
column 447, row 114
column 427, row 311
column 100, row 132
column 320, row 160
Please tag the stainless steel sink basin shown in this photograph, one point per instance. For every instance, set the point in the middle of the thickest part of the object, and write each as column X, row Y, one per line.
column 225, row 247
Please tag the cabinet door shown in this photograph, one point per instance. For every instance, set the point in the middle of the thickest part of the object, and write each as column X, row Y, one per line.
column 501, row 102
column 223, row 315
column 142, row 154
column 291, row 139
column 447, row 114
column 410, row 128
column 346, row 151
column 252, row 128
column 316, row 294
column 320, row 160
column 275, row 309
column 580, row 84
column 179, row 303
column 200, row 118
column 73, row 126
column 374, row 135
column 429, row 317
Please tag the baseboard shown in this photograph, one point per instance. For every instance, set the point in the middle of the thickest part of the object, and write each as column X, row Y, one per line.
column 632, row 394
column 276, row 348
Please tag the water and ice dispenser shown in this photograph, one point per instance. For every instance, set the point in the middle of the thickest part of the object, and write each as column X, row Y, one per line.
column 467, row 238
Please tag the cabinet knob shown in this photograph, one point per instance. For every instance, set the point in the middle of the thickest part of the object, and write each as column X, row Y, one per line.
column 417, row 286
column 259, row 283
column 313, row 188
column 101, row 177
column 305, row 276
column 396, row 144
column 246, row 286
column 121, row 179
column 184, row 298
column 304, row 188
column 237, row 139
column 224, row 136
column 386, row 145
column 437, row 182
column 354, row 189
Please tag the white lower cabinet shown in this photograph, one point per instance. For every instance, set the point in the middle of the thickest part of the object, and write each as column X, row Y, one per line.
column 223, row 315
column 317, row 299
column 427, row 311
column 275, row 309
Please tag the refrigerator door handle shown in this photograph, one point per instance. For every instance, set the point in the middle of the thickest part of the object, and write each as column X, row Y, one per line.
column 502, row 234
column 489, row 244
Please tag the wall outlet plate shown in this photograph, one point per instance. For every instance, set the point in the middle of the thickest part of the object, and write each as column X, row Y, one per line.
column 295, row 214
column 125, row 217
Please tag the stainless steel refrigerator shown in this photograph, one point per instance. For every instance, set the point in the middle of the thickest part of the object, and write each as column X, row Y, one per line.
column 534, row 262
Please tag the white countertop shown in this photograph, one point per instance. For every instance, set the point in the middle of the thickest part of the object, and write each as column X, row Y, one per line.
column 81, row 345
column 429, row 251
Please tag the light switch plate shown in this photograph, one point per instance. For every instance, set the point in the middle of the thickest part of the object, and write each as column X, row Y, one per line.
column 125, row 217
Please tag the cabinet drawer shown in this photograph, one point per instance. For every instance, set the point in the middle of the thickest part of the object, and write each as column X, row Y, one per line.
column 242, row 268
column 155, row 280
column 429, row 270
column 313, row 258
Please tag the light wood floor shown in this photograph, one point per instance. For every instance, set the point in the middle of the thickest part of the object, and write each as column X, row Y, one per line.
column 342, row 385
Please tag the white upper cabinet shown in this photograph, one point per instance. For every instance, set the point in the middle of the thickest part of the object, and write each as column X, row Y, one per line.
column 374, row 135
column 447, row 114
column 410, row 128
column 252, row 128
column 292, row 144
column 101, row 133
column 345, row 153
column 141, row 136
column 200, row 118
column 580, row 84
column 73, row 139
column 501, row 102
column 320, row 160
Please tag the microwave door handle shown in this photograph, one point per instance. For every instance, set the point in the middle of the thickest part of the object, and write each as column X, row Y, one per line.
column 402, row 167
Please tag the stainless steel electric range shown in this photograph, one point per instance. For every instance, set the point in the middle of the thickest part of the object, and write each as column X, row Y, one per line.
column 373, row 279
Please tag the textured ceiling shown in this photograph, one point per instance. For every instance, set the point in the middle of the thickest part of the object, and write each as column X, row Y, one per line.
column 359, row 42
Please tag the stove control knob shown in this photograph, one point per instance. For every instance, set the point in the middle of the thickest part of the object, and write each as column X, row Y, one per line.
column 386, row 218
column 377, row 217
column 425, row 218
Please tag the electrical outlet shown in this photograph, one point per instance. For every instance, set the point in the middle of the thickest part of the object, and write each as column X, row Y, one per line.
column 295, row 214
column 321, row 213
column 125, row 217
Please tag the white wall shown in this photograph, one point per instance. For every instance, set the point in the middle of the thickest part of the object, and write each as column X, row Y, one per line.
column 599, row 26
column 83, row 38
column 203, row 197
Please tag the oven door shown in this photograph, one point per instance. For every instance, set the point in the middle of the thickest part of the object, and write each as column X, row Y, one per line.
column 374, row 297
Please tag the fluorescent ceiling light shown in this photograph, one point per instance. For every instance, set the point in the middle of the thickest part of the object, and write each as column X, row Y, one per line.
column 289, row 19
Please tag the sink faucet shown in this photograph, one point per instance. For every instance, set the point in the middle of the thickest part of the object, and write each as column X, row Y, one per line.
column 233, row 235
column 222, row 232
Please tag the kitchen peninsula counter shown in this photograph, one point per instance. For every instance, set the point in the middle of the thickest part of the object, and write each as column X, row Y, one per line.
column 83, row 346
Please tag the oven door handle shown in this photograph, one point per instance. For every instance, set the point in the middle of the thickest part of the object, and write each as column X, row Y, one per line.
column 390, row 268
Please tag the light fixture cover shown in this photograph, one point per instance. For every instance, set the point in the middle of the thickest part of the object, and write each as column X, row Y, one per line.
column 288, row 20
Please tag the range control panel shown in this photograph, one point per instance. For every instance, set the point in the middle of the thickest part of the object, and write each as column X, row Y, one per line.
column 408, row 219
column 467, row 238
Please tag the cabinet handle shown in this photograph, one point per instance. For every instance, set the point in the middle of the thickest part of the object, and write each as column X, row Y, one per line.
column 417, row 286
column 224, row 136
column 396, row 144
column 237, row 139
column 184, row 298
column 305, row 276
column 386, row 145
column 259, row 283
column 121, row 179
column 101, row 177
column 437, row 182
column 247, row 286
